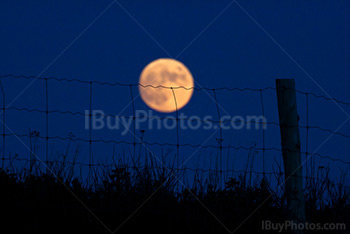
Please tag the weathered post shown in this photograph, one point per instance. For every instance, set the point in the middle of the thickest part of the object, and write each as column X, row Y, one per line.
column 290, row 139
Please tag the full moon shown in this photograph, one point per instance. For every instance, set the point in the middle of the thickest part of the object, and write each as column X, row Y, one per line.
column 168, row 73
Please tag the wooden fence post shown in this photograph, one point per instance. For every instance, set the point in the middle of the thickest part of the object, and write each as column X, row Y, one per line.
column 290, row 139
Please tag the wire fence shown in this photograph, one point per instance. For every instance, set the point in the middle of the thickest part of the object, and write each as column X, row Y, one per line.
column 48, row 110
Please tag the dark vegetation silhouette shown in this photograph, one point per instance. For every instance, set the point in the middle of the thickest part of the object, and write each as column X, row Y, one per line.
column 59, row 200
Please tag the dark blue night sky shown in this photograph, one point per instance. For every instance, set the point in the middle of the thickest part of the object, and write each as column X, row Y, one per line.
column 224, row 44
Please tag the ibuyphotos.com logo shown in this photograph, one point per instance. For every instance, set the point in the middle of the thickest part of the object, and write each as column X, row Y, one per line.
column 97, row 120
column 290, row 225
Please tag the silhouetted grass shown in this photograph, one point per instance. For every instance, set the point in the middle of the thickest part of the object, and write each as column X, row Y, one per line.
column 60, row 202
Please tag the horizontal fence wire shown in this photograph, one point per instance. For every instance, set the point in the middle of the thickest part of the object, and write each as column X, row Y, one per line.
column 221, row 123
column 69, row 138
column 166, row 87
column 173, row 118
column 135, row 84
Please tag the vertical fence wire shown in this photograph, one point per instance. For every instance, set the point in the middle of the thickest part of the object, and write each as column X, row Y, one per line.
column 90, row 130
column 134, row 124
column 3, row 124
column 263, row 130
column 310, row 166
column 219, row 140
column 47, row 124
column 307, row 134
column 177, row 130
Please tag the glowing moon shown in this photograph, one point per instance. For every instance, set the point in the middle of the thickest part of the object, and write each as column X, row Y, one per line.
column 169, row 73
